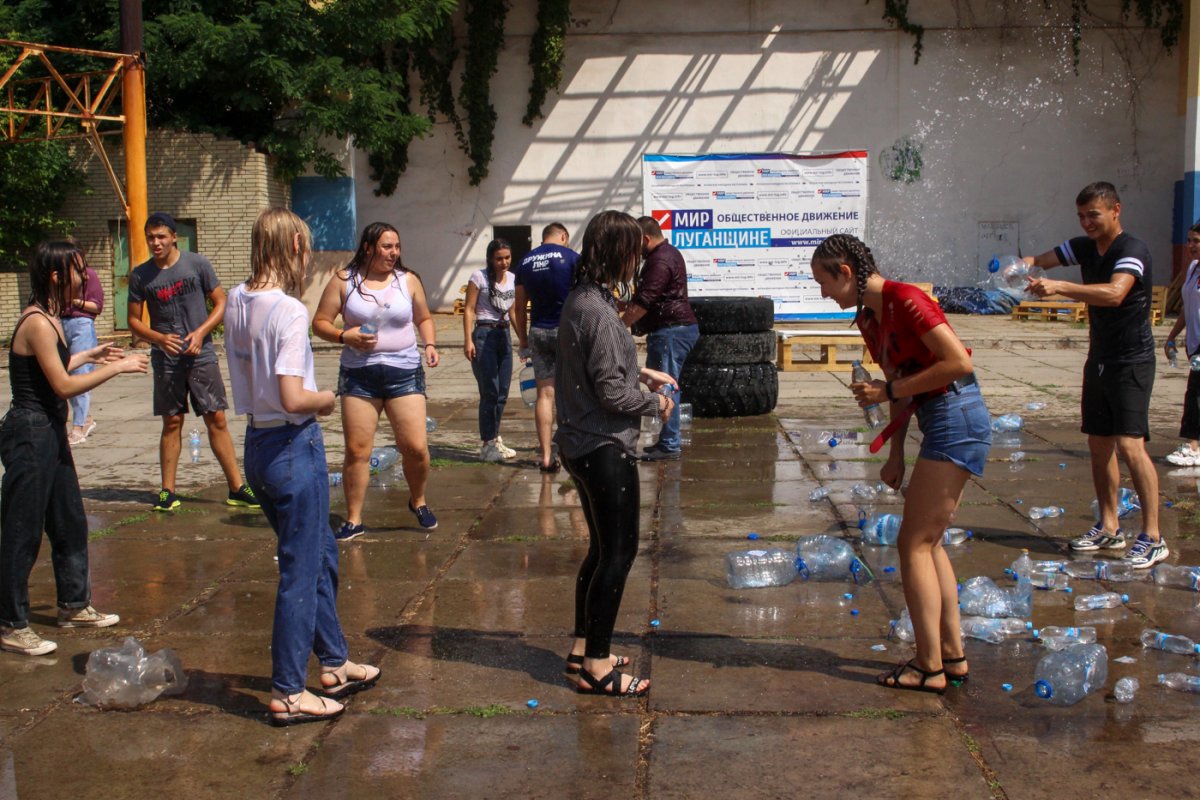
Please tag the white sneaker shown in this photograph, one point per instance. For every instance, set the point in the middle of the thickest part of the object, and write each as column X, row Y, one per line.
column 489, row 452
column 507, row 452
column 1184, row 456
column 25, row 642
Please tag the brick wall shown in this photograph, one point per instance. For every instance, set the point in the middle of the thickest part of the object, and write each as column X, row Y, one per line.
column 221, row 184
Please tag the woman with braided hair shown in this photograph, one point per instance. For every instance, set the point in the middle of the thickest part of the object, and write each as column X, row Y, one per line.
column 928, row 371
column 487, row 343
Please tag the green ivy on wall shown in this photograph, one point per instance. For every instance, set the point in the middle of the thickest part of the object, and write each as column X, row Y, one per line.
column 485, row 38
column 546, row 52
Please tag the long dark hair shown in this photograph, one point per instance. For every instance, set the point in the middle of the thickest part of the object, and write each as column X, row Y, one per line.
column 842, row 248
column 611, row 243
column 494, row 246
column 48, row 258
column 362, row 256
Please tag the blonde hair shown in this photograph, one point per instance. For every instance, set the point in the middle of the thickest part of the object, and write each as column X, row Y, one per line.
column 273, row 257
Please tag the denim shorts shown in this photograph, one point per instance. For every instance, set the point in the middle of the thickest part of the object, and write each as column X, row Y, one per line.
column 957, row 428
column 380, row 381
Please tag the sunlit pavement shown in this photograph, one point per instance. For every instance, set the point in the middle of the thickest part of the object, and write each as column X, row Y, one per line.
column 756, row 693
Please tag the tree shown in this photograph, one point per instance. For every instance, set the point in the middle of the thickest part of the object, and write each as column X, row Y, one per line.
column 35, row 179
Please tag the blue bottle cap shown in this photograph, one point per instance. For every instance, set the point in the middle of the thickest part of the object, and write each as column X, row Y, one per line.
column 1062, row 466
column 752, row 535
column 889, row 569
column 1006, row 687
column 854, row 612
column 970, row 534
column 848, row 596
column 833, row 442
column 654, row 623
column 532, row 703
column 1044, row 690
column 1124, row 598
column 1168, row 504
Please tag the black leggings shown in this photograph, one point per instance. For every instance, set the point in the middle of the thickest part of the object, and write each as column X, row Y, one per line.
column 1189, row 426
column 607, row 480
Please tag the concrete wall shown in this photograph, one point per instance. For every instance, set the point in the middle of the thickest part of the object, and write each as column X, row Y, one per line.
column 1007, row 131
column 219, row 183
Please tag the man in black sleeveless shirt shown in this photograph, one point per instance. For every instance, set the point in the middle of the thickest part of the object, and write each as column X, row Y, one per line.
column 1119, row 373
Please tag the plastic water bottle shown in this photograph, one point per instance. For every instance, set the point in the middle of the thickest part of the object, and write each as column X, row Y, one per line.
column 864, row 492
column 383, row 459
column 954, row 536
column 685, row 414
column 1036, row 405
column 981, row 597
column 824, row 557
column 430, row 424
column 1067, row 676
column 528, row 385
column 1194, row 361
column 874, row 414
column 1017, row 456
column 1173, row 355
column 1049, row 580
column 194, row 444
column 1171, row 575
column 654, row 423
column 1116, row 572
column 902, row 628
column 1127, row 503
column 1094, row 602
column 1180, row 682
column 1125, row 689
column 1054, row 637
column 753, row 569
column 819, row 493
column 335, row 479
column 371, row 326
column 1008, row 422
column 1022, row 566
column 1011, row 274
column 992, row 630
column 1171, row 643
column 1046, row 512
column 881, row 529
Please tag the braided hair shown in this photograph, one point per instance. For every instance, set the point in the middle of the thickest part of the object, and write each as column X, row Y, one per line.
column 843, row 248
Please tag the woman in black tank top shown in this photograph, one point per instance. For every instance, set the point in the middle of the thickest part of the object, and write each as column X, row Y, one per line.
column 40, row 490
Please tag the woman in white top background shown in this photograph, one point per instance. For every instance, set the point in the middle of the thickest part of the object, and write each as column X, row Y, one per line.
column 1188, row 453
column 273, row 378
column 382, row 305
column 487, row 343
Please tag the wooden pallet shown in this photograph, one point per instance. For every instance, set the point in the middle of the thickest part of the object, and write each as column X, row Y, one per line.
column 828, row 342
column 1051, row 310
column 1158, row 305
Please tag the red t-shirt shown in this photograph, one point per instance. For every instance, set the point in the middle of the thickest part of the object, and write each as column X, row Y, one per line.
column 894, row 338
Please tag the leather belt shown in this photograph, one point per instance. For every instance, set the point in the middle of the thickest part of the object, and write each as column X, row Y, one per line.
column 264, row 423
column 491, row 324
column 962, row 383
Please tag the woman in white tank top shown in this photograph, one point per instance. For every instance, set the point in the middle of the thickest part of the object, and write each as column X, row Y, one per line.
column 383, row 306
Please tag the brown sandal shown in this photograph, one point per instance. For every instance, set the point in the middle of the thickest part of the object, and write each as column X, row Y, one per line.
column 293, row 714
column 345, row 686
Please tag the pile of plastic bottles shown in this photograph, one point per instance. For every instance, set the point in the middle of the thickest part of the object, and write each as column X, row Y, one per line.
column 125, row 677
column 828, row 558
column 1067, row 676
column 981, row 597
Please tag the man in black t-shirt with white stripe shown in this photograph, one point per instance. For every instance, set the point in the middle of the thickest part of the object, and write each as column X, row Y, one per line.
column 1119, row 373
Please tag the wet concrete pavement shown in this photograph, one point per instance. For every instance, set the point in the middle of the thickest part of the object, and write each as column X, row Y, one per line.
column 756, row 693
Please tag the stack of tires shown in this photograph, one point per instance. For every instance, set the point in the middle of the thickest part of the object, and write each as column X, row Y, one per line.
column 731, row 370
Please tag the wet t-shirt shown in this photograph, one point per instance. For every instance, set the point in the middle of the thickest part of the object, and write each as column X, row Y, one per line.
column 895, row 337
column 175, row 299
column 1120, row 335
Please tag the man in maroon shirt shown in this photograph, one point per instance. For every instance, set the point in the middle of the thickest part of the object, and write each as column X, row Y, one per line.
column 660, row 310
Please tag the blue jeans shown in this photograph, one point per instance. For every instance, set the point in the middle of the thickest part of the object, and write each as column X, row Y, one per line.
column 285, row 467
column 666, row 350
column 81, row 335
column 493, row 373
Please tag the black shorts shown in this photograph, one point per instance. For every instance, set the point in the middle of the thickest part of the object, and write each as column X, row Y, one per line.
column 201, row 382
column 1116, row 399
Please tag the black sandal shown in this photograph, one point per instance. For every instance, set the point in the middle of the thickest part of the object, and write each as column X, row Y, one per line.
column 575, row 664
column 552, row 468
column 920, row 687
column 956, row 680
column 605, row 685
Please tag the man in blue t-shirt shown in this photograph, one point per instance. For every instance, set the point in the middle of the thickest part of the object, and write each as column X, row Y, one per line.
column 543, row 280
column 173, row 287
column 1119, row 372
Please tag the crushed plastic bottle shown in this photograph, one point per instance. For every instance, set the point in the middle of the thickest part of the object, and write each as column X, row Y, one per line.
column 864, row 492
column 1036, row 405
column 874, row 414
column 1007, row 423
column 383, row 458
column 1011, row 275
column 1022, row 566
column 952, row 536
column 1173, row 354
column 194, row 445
column 1017, row 456
column 1054, row 637
column 1194, row 362
column 335, row 479
column 1046, row 512
column 981, row 597
column 901, row 629
column 1125, row 689
column 754, row 569
column 1095, row 602
column 685, row 414
column 528, row 385
column 818, row 494
column 1051, row 580
column 1180, row 681
column 125, row 677
column 1067, row 676
column 1170, row 643
column 1127, row 503
column 992, row 630
column 881, row 529
column 823, row 557
column 1171, row 575
column 653, row 423
column 430, row 424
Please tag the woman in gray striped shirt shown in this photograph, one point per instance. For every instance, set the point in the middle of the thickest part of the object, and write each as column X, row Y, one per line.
column 599, row 407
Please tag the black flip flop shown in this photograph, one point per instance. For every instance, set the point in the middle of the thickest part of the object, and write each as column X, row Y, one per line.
column 956, row 680
column 920, row 687
column 637, row 687
column 552, row 467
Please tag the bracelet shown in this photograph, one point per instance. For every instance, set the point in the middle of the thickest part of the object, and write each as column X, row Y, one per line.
column 1171, row 342
column 887, row 387
column 430, row 344
column 341, row 337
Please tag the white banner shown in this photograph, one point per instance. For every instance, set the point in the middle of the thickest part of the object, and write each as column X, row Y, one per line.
column 747, row 223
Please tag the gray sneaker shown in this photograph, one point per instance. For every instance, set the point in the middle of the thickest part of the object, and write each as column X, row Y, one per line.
column 1146, row 552
column 85, row 618
column 1097, row 539
column 24, row 641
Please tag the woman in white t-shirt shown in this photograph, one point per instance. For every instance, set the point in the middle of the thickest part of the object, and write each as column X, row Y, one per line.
column 274, row 385
column 383, row 307
column 488, row 343
column 1188, row 453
